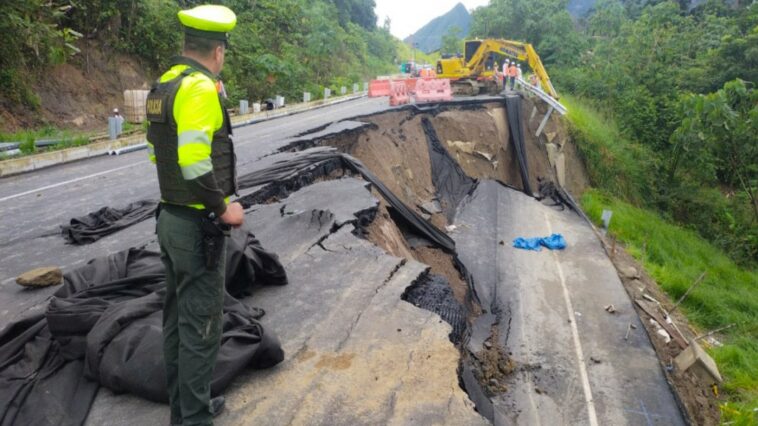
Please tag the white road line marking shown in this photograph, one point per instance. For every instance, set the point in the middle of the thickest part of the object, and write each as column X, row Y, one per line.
column 55, row 185
column 575, row 334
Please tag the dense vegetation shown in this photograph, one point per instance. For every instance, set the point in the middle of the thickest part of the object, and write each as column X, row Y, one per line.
column 678, row 141
column 279, row 46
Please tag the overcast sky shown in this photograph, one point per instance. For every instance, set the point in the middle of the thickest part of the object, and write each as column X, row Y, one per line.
column 407, row 16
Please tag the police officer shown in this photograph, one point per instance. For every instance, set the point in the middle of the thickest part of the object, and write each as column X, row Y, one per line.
column 189, row 140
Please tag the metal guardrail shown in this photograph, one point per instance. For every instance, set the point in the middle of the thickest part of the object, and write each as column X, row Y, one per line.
column 553, row 104
column 543, row 95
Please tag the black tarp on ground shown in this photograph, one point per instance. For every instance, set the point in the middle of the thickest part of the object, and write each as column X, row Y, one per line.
column 450, row 181
column 513, row 109
column 105, row 323
column 90, row 228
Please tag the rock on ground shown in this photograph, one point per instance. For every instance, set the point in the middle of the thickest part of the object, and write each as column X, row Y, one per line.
column 41, row 277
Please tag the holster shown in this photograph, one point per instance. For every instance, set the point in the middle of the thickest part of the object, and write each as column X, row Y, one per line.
column 214, row 238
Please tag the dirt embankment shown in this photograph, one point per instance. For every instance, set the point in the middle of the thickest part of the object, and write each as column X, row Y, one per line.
column 79, row 94
column 396, row 150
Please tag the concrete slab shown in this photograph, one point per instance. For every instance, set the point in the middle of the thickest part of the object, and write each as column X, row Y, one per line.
column 573, row 365
column 694, row 358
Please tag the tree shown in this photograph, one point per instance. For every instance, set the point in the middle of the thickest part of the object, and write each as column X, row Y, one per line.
column 607, row 19
column 726, row 122
column 451, row 41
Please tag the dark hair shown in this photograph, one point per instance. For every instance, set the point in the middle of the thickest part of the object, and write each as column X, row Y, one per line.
column 200, row 45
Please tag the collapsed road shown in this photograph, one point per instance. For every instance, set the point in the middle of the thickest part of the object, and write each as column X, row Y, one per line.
column 406, row 303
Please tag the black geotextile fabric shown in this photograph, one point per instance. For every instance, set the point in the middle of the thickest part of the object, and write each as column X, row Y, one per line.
column 90, row 228
column 103, row 327
column 433, row 293
column 449, row 179
column 513, row 108
column 297, row 168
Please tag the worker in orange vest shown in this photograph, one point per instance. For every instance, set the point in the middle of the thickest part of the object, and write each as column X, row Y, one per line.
column 512, row 73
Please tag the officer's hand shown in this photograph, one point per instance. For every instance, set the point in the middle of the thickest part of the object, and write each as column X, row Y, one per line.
column 234, row 215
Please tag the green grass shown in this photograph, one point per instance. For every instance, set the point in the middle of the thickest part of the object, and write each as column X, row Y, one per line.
column 614, row 163
column 68, row 139
column 42, row 133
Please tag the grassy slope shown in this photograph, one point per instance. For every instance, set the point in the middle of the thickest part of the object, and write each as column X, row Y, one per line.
column 674, row 256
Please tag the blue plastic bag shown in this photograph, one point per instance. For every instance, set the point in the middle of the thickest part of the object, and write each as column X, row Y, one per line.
column 553, row 242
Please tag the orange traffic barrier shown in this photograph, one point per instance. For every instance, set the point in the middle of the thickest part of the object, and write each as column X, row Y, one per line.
column 411, row 85
column 433, row 90
column 377, row 88
column 399, row 95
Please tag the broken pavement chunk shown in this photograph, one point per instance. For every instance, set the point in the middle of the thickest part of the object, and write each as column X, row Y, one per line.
column 629, row 272
column 41, row 277
column 694, row 358
column 431, row 207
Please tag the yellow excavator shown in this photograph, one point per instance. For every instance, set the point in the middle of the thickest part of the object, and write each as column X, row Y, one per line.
column 474, row 72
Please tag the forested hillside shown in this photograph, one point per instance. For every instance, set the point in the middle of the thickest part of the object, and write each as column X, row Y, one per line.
column 279, row 46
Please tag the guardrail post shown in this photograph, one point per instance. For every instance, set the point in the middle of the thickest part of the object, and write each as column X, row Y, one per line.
column 112, row 128
column 243, row 107
column 343, row 90
column 365, row 86
column 306, row 97
column 327, row 93
column 355, row 88
column 544, row 121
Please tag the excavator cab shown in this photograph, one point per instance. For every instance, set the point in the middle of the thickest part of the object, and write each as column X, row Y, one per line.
column 470, row 48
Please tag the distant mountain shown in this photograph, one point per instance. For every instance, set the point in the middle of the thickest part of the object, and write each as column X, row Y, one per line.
column 429, row 37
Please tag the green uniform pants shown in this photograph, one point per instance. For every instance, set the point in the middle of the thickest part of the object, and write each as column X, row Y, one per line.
column 192, row 315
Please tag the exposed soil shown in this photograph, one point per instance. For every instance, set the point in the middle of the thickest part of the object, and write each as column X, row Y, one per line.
column 493, row 365
column 383, row 232
column 396, row 153
column 79, row 94
column 696, row 397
